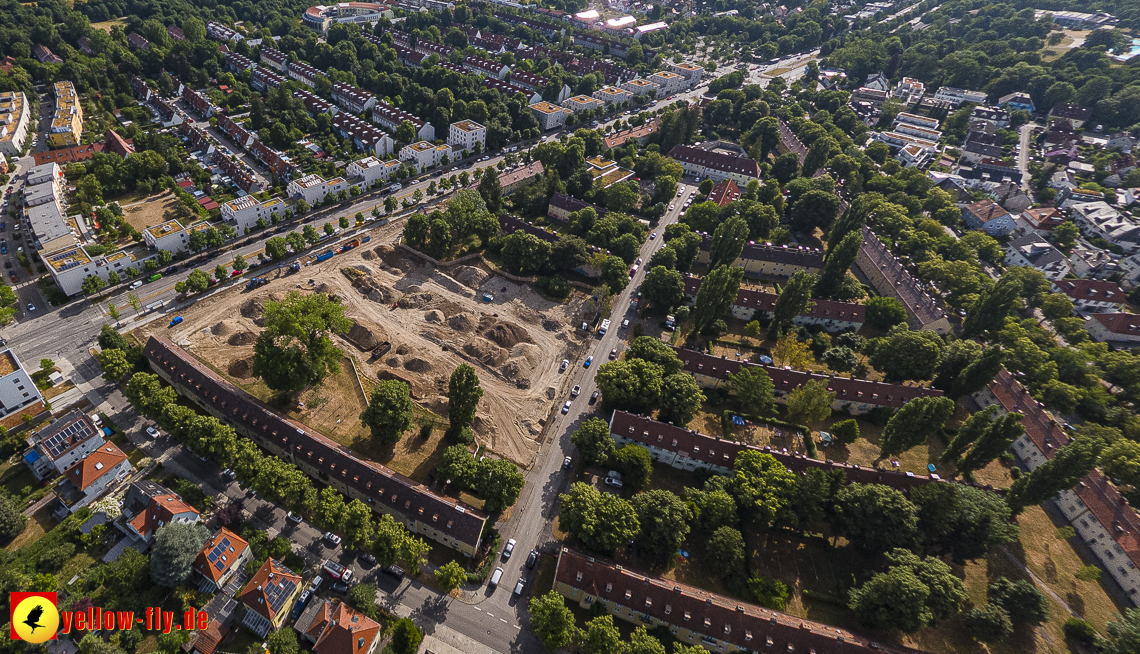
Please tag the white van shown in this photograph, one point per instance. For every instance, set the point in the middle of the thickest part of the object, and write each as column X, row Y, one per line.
column 496, row 577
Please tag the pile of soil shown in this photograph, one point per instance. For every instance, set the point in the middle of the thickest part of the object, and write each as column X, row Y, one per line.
column 394, row 259
column 434, row 316
column 416, row 364
column 387, row 374
column 462, row 322
column 527, row 314
column 243, row 338
column 373, row 290
column 368, row 255
column 524, row 359
column 254, row 307
column 393, row 362
column 365, row 335
column 323, row 288
column 507, row 334
column 224, row 328
column 485, row 352
column 470, row 276
column 241, row 368
column 448, row 307
column 551, row 325
column 415, row 300
column 403, row 348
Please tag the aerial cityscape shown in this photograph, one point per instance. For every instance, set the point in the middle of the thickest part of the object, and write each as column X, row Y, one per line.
column 584, row 326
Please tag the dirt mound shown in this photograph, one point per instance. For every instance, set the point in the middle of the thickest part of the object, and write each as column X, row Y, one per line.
column 507, row 334
column 254, row 307
column 323, row 288
column 225, row 328
column 416, row 300
column 241, row 368
column 524, row 360
column 551, row 325
column 485, row 352
column 368, row 255
column 387, row 374
column 373, row 290
column 527, row 314
column 462, row 322
column 243, row 338
column 365, row 335
column 470, row 276
column 434, row 316
column 417, row 365
column 448, row 307
column 403, row 348
column 394, row 258
column 394, row 362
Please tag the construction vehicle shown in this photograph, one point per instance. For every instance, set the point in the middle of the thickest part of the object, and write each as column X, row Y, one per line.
column 325, row 257
column 380, row 350
column 256, row 282
column 294, row 267
column 348, row 246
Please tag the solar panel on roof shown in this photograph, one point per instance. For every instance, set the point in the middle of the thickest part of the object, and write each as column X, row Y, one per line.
column 219, row 565
column 213, row 556
column 279, row 593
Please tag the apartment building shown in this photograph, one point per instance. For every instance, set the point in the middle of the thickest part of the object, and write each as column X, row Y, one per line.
column 1032, row 251
column 169, row 236
column 67, row 121
column 549, row 116
column 767, row 260
column 1092, row 295
column 612, row 95
column 351, row 98
column 390, row 117
column 422, row 155
column 909, row 91
column 1101, row 220
column 464, row 135
column 371, row 169
column 365, row 136
column 529, row 81
column 751, row 304
column 220, row 559
column 513, row 180
column 262, row 79
column 275, row 59
column 14, row 118
column 483, row 66
column 61, row 444
column 996, row 116
column 511, row 90
column 668, row 83
column 562, row 205
column 244, row 212
column 237, row 63
column 313, row 189
column 889, row 277
column 691, row 72
column 1120, row 330
column 422, row 511
column 715, row 165
column 641, row 87
column 580, row 103
column 990, row 217
column 315, row 105
column 304, row 73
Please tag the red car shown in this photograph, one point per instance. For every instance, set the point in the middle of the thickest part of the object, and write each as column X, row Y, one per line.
column 235, row 273
column 15, row 278
column 212, row 282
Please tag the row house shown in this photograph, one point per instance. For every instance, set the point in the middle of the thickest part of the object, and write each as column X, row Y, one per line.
column 910, row 129
column 369, row 170
column 451, row 523
column 198, row 102
column 390, row 117
column 580, row 103
column 1095, row 508
column 1100, row 220
column 351, row 98
column 304, row 73
column 314, row 104
column 409, row 56
column 889, row 277
column 990, row 217
column 365, row 136
column 277, row 162
column 432, row 48
column 511, row 90
column 198, row 139
column 767, row 260
column 1076, row 114
column 873, row 97
column 996, row 116
column 510, row 224
column 175, row 33
column 237, row 134
column 239, row 172
column 612, row 73
column 1117, row 329
column 244, row 212
column 956, row 96
column 991, row 169
column 488, row 67
column 44, row 55
column 639, row 134
column 274, row 59
column 1092, row 295
column 549, row 116
column 562, row 205
column 422, row 155
column 262, row 79
column 515, row 179
column 236, row 63
column 668, row 83
column 313, row 189
column 751, row 304
column 605, row 46
column 715, row 165
column 141, row 91
column 640, row 87
column 855, row 395
column 219, row 32
column 547, row 29
column 1032, row 251
column 612, row 95
column 529, row 81
column 447, row 65
column 464, row 135
column 906, row 118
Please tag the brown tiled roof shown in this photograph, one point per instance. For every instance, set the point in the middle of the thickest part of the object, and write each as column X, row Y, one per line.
column 619, row 138
column 791, row 255
column 765, row 301
column 571, row 204
column 986, row 210
column 348, row 632
column 1119, row 323
column 724, row 192
column 1110, row 509
column 717, row 161
column 98, row 463
column 906, row 288
column 67, row 155
column 408, row 500
column 533, row 169
column 208, row 640
column 714, row 616
column 845, row 388
column 256, row 594
column 1096, row 290
column 226, row 556
column 160, row 511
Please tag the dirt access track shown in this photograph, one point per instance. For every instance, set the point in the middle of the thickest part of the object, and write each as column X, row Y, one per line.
column 515, row 343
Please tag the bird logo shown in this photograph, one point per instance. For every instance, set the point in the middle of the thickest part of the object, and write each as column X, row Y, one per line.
column 35, row 618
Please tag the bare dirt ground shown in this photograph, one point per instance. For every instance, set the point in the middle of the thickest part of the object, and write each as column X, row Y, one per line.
column 515, row 343
column 151, row 211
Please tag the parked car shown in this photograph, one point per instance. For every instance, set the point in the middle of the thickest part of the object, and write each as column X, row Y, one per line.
column 177, row 320
column 566, row 407
column 566, row 463
column 292, row 518
column 229, row 474
column 394, row 571
column 31, row 307
column 153, row 433
column 509, row 549
column 135, row 284
column 574, row 392
column 613, row 353
column 316, row 584
column 565, row 362
column 616, row 483
column 589, row 360
column 520, row 585
column 368, row 558
column 531, row 559
column 340, row 587
column 332, row 538
column 593, row 397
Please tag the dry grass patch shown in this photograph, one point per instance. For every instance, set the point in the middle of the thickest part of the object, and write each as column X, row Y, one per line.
column 39, row 524
column 150, row 211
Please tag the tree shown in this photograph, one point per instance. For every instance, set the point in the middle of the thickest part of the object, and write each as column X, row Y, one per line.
column 786, row 167
column 175, row 547
column 641, row 642
column 630, row 384
column 525, row 253
column 961, row 521
column 389, row 412
column 793, row 300
column 295, row 349
column 906, row 354
column 970, row 431
column 911, row 594
column 110, row 338
column 681, row 399
column 663, row 287
column 988, row 623
column 665, row 520
column 790, row 351
column 602, row 521
column 717, row 293
column 451, row 576
column 283, row 641
column 220, row 272
column 498, row 482
column 12, row 521
column 600, row 636
column 1021, row 599
column 1066, row 235
column 593, row 441
column 614, row 273
column 993, row 305
column 1124, row 634
column 406, row 637
column 875, row 518
column 115, row 364
column 277, row 248
column 463, row 395
column 816, row 208
column 1062, row 472
column 1056, row 305
column 329, row 229
column 330, row 514
column 92, row 284
column 810, row 402
column 885, row 312
column 840, row 359
column 726, row 551
column 551, row 621
column 310, row 234
column 635, row 464
column 1121, row 461
column 979, row 373
column 357, row 525
column 914, row 423
column 997, row 438
column 728, row 241
column 148, row 395
column 754, row 390
column 197, row 281
column 836, row 265
column 656, row 351
column 490, row 190
column 845, row 432
column 761, row 486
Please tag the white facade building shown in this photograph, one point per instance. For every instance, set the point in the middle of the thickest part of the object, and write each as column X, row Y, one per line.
column 14, row 116
column 669, row 83
column 549, row 116
column 422, row 155
column 243, row 213
column 313, row 188
column 61, row 444
column 640, row 87
column 17, row 390
column 371, row 169
column 463, row 135
column 169, row 236
column 1033, row 251
column 1099, row 219
column 612, row 95
column 580, row 103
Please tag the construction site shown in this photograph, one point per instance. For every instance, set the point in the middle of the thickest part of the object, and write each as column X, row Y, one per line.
column 413, row 321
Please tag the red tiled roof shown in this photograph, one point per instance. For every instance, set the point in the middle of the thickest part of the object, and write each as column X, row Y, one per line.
column 231, row 555
column 724, row 192
column 765, row 301
column 1110, row 509
column 255, row 595
column 213, row 636
column 1096, row 290
column 160, row 511
column 117, row 144
column 98, row 463
column 987, row 210
column 68, row 155
column 725, row 163
column 1119, row 323
column 619, row 138
column 348, row 632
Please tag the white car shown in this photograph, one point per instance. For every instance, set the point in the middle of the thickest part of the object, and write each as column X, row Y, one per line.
column 576, row 391
column 509, row 549
column 566, row 407
column 153, row 433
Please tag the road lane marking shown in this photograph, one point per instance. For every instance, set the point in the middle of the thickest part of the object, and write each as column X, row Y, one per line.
column 491, row 615
column 477, row 608
column 503, row 621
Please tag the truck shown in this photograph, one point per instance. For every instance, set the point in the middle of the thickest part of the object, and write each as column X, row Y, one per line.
column 380, row 350
column 154, row 306
column 256, row 282
column 325, row 256
column 348, row 246
column 338, row 571
column 488, row 297
column 605, row 326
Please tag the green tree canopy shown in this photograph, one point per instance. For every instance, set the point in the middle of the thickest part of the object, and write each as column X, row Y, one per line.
column 295, row 349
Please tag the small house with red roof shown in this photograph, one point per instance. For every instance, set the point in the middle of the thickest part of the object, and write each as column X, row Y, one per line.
column 334, row 627
column 220, row 558
column 1092, row 295
column 1119, row 329
column 147, row 507
column 86, row 481
column 268, row 596
column 117, row 144
column 724, row 192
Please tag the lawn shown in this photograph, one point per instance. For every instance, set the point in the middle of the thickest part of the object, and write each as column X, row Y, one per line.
column 18, row 481
column 39, row 524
